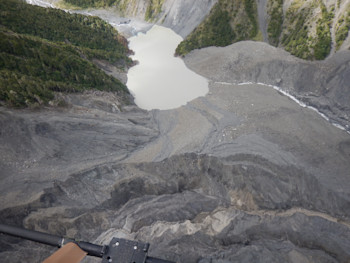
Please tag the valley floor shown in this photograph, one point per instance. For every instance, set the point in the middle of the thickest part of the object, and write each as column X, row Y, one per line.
column 243, row 174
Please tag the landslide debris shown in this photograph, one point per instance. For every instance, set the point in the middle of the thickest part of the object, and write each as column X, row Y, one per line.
column 323, row 85
column 196, row 208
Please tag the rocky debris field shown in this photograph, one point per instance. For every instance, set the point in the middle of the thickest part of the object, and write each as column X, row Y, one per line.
column 244, row 174
column 324, row 85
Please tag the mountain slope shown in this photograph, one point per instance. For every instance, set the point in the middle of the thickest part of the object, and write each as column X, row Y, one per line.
column 309, row 29
column 180, row 15
column 228, row 22
column 303, row 28
column 48, row 50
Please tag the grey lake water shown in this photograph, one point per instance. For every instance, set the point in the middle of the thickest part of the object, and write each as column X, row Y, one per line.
column 160, row 80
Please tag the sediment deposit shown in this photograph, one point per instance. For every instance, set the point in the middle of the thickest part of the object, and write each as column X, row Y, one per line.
column 243, row 174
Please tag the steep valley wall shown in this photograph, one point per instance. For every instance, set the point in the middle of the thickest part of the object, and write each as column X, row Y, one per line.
column 180, row 15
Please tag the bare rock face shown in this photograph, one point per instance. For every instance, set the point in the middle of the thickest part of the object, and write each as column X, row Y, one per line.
column 184, row 16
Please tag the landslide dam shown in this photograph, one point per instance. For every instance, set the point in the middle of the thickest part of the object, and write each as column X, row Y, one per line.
column 243, row 174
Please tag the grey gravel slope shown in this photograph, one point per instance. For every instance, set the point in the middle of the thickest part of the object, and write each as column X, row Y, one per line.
column 324, row 85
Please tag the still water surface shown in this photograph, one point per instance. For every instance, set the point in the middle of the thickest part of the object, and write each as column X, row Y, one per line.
column 160, row 80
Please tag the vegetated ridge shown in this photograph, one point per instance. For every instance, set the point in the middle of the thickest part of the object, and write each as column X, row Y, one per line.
column 228, row 22
column 46, row 50
column 303, row 28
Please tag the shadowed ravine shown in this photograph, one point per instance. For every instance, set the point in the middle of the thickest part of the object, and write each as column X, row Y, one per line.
column 243, row 174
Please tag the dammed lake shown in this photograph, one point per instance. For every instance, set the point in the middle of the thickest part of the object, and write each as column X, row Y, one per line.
column 160, row 80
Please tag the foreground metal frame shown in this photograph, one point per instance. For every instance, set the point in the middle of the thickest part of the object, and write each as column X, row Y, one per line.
column 119, row 250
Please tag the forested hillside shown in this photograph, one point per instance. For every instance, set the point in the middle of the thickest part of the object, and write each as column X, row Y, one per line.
column 227, row 23
column 306, row 28
column 47, row 50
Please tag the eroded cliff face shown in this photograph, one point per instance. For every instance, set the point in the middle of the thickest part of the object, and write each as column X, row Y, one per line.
column 183, row 16
column 180, row 15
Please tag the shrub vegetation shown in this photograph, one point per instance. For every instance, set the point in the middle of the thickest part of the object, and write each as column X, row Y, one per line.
column 342, row 29
column 297, row 37
column 228, row 22
column 153, row 9
column 274, row 28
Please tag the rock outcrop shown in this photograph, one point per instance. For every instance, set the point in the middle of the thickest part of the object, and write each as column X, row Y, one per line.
column 183, row 16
